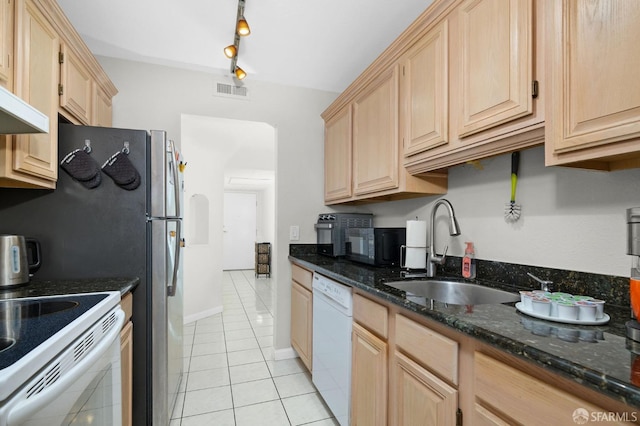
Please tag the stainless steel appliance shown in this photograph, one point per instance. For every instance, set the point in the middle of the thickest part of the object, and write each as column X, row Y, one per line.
column 375, row 246
column 331, row 353
column 119, row 229
column 19, row 257
column 330, row 229
column 60, row 360
column 633, row 249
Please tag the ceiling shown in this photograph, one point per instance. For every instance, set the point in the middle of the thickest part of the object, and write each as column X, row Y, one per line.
column 314, row 44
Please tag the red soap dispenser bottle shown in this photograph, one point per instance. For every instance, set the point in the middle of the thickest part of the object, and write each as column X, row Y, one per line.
column 469, row 262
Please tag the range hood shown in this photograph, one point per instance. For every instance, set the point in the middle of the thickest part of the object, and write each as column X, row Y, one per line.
column 17, row 116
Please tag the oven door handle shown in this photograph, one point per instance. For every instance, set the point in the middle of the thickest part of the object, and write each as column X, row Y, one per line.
column 25, row 408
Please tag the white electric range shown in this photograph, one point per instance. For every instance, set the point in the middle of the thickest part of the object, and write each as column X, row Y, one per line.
column 60, row 360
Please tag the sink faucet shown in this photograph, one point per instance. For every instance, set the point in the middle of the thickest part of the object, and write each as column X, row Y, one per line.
column 454, row 229
column 544, row 284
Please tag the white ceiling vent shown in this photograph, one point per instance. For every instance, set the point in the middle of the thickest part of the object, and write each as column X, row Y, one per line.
column 231, row 91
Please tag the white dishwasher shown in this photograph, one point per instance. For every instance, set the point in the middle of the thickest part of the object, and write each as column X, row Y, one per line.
column 332, row 316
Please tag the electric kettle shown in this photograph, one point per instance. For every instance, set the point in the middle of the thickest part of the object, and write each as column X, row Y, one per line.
column 19, row 256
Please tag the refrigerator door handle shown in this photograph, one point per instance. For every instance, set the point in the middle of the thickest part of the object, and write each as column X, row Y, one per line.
column 176, row 182
column 171, row 290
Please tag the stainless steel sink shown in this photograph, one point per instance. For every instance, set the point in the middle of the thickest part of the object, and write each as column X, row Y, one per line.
column 453, row 292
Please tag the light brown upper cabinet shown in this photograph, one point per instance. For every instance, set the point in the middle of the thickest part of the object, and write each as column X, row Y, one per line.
column 363, row 153
column 425, row 92
column 469, row 85
column 76, row 86
column 593, row 118
column 102, row 107
column 6, row 43
column 494, row 72
column 487, row 58
column 53, row 71
column 33, row 158
column 375, row 135
column 85, row 89
column 337, row 156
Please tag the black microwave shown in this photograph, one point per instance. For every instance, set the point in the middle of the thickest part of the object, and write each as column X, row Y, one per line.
column 375, row 246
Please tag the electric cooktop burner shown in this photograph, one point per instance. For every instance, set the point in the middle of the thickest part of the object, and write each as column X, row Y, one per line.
column 33, row 309
column 6, row 343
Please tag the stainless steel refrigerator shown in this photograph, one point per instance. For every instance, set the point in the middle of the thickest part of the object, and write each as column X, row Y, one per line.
column 124, row 221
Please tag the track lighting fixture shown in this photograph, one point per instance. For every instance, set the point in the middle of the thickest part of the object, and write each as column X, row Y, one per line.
column 239, row 72
column 243, row 27
column 231, row 51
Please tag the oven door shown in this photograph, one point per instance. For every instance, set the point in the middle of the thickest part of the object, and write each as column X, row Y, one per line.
column 80, row 386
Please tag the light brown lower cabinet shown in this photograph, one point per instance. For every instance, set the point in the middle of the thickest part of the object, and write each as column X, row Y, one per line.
column 507, row 396
column 302, row 314
column 301, row 322
column 410, row 370
column 420, row 398
column 368, row 379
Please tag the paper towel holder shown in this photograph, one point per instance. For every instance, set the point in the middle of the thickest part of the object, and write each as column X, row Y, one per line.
column 411, row 272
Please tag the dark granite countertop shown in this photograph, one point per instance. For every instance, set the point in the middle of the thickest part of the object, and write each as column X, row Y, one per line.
column 36, row 288
column 594, row 356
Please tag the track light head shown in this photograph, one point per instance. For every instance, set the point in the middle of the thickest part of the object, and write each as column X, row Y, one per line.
column 243, row 27
column 240, row 74
column 230, row 51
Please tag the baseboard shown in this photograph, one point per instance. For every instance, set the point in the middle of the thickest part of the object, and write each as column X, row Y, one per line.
column 202, row 315
column 286, row 353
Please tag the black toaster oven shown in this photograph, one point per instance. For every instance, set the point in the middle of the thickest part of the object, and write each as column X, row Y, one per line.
column 331, row 227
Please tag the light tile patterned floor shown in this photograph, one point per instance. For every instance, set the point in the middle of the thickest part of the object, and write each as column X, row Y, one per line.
column 230, row 375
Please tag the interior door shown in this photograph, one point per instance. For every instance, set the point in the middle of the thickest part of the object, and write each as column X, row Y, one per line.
column 239, row 230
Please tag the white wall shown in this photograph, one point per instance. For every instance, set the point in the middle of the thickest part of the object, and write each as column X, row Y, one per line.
column 266, row 214
column 202, row 262
column 571, row 219
column 153, row 96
